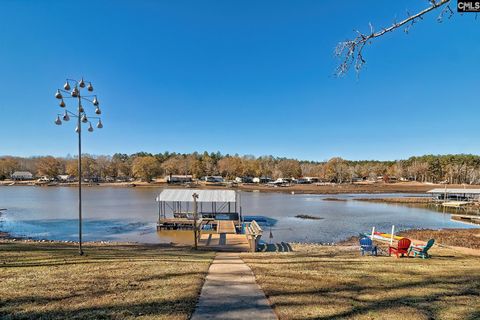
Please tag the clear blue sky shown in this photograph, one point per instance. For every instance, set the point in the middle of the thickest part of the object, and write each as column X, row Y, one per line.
column 247, row 77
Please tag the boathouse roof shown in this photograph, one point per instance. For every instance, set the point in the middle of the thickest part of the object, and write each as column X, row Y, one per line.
column 185, row 195
column 455, row 191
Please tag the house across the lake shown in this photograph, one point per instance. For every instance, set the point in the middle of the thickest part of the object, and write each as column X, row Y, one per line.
column 214, row 179
column 244, row 179
column 22, row 175
column 178, row 178
column 65, row 178
column 261, row 179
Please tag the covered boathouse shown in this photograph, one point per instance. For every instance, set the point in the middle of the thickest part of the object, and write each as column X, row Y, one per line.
column 455, row 194
column 219, row 218
column 176, row 208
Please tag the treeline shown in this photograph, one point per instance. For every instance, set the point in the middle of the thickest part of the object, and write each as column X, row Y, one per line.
column 461, row 168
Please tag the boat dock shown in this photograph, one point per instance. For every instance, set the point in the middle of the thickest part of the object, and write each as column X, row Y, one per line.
column 216, row 214
column 218, row 235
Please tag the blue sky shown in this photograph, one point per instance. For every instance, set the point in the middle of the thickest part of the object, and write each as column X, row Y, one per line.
column 247, row 77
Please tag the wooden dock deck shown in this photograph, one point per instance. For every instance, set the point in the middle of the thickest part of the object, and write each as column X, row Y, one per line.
column 218, row 235
column 224, row 242
column 226, row 226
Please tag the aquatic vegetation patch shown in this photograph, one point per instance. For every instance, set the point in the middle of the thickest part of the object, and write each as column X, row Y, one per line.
column 308, row 217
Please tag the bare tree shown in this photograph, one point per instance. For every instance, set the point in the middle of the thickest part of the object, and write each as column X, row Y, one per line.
column 350, row 52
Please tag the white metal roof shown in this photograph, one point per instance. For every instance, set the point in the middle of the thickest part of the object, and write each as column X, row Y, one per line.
column 455, row 191
column 185, row 195
column 21, row 173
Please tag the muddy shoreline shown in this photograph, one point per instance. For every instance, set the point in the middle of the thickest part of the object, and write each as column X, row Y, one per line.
column 354, row 188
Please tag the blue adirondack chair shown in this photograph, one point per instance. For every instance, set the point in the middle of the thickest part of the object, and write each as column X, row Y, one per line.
column 422, row 251
column 366, row 245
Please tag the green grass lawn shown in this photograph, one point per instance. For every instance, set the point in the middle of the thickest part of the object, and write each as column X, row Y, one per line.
column 50, row 281
column 317, row 282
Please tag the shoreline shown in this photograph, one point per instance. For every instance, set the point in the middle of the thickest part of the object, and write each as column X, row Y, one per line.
column 451, row 237
column 347, row 188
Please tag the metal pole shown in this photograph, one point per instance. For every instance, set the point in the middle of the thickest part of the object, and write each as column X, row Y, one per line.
column 159, row 210
column 80, row 251
column 195, row 196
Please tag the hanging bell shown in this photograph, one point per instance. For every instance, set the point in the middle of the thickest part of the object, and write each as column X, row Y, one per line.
column 58, row 121
column 95, row 101
column 81, row 84
column 80, row 109
column 62, row 104
column 77, row 129
column 99, row 124
column 58, row 95
column 98, row 111
column 66, row 117
column 90, row 128
column 90, row 87
column 84, row 118
column 66, row 86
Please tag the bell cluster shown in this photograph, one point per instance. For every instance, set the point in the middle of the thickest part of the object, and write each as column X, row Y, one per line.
column 75, row 93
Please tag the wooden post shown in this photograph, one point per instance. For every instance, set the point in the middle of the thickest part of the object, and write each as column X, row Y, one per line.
column 391, row 237
column 195, row 216
column 159, row 210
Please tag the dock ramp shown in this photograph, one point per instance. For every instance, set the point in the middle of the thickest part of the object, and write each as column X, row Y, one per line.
column 226, row 226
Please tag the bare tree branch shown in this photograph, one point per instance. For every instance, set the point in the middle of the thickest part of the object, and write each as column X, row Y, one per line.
column 350, row 51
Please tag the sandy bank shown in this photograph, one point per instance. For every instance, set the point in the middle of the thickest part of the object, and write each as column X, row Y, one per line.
column 400, row 187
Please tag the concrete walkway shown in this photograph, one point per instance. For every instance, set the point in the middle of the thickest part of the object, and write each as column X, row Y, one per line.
column 231, row 292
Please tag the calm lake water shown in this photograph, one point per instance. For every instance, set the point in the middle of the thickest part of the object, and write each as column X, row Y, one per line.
column 129, row 214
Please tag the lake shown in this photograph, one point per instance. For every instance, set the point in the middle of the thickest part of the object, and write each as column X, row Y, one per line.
column 129, row 214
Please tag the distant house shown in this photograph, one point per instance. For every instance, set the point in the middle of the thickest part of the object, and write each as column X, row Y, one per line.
column 65, row 178
column 178, row 178
column 22, row 175
column 214, row 179
column 280, row 182
column 44, row 179
column 244, row 179
column 301, row 181
column 261, row 180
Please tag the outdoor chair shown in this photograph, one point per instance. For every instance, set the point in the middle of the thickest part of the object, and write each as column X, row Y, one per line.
column 402, row 247
column 422, row 251
column 366, row 245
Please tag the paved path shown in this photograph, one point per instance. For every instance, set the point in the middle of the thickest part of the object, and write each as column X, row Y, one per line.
column 231, row 292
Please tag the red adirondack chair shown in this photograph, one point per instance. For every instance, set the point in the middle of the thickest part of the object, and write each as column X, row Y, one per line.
column 402, row 247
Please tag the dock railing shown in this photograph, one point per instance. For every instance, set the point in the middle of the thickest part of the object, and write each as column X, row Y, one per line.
column 253, row 232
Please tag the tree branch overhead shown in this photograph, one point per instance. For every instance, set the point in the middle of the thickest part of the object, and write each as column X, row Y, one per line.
column 350, row 52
